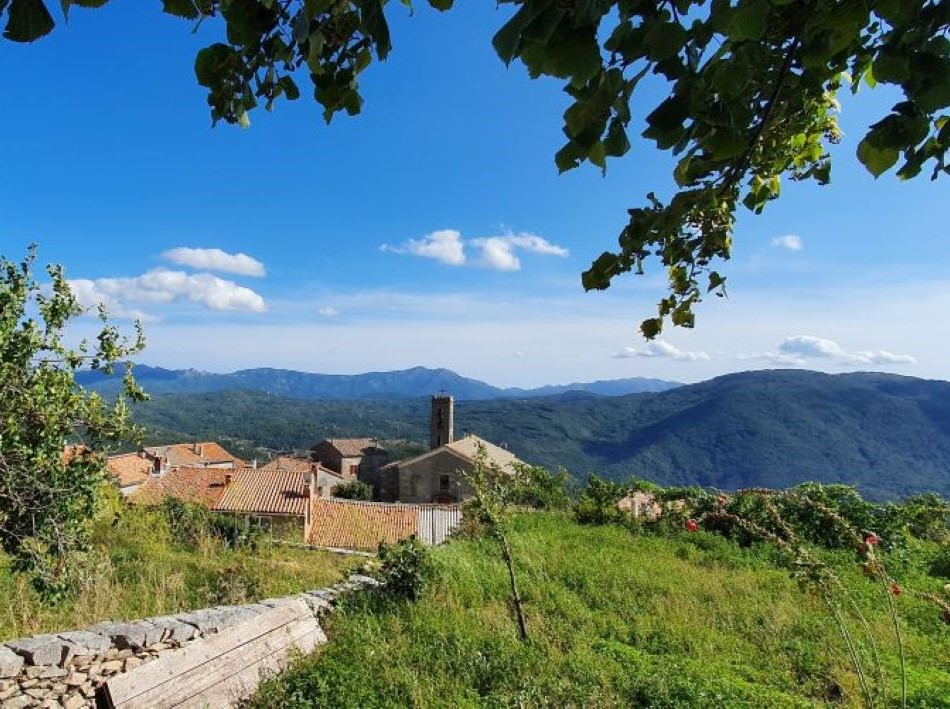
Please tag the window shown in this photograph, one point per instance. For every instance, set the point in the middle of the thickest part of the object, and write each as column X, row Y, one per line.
column 354, row 469
column 443, row 482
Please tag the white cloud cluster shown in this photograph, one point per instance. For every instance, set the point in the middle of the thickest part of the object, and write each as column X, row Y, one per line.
column 164, row 286
column 215, row 260
column 445, row 246
column 662, row 349
column 790, row 242
column 800, row 349
column 496, row 252
column 328, row 311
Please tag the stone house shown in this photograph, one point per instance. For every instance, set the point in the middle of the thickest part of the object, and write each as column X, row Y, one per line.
column 205, row 455
column 437, row 475
column 352, row 458
column 129, row 470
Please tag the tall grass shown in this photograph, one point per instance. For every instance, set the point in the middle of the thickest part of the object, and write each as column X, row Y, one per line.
column 138, row 570
column 617, row 619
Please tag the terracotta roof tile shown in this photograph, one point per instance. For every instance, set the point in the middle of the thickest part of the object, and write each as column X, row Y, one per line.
column 129, row 468
column 349, row 447
column 277, row 492
column 283, row 462
column 348, row 524
column 194, row 454
column 467, row 449
column 202, row 486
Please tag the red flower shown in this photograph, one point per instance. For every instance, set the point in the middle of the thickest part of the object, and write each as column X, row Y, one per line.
column 895, row 589
column 871, row 539
column 691, row 525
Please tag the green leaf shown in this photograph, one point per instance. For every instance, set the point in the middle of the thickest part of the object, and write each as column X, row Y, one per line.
column 181, row 8
column 507, row 41
column 27, row 21
column 749, row 20
column 374, row 23
column 441, row 5
column 651, row 327
column 211, row 63
column 876, row 160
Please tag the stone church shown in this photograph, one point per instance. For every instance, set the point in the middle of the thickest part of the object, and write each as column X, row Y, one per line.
column 434, row 476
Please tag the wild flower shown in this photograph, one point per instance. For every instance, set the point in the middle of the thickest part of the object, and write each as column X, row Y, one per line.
column 691, row 525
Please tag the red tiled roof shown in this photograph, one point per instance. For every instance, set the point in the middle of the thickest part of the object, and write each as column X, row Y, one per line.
column 348, row 524
column 349, row 447
column 129, row 468
column 194, row 454
column 277, row 492
column 202, row 486
column 283, row 462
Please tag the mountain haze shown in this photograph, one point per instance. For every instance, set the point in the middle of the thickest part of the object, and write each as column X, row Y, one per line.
column 414, row 382
column 888, row 434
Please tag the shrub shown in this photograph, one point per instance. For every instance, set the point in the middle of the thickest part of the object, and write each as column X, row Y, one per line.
column 537, row 487
column 353, row 490
column 191, row 525
column 597, row 503
column 404, row 569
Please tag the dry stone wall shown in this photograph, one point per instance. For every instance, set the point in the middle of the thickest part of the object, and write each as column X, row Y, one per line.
column 67, row 669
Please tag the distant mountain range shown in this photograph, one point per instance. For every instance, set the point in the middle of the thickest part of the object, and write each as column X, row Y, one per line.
column 890, row 435
column 415, row 382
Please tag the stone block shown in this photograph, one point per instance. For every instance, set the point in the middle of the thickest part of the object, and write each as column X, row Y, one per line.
column 87, row 643
column 18, row 702
column 363, row 580
column 174, row 629
column 10, row 662
column 43, row 649
column 74, row 701
column 129, row 635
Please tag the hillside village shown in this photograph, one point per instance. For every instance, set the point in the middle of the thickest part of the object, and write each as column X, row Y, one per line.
column 295, row 498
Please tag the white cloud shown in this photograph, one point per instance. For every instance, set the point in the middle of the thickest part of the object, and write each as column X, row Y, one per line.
column 163, row 286
column 445, row 246
column 496, row 252
column 808, row 346
column 215, row 260
column 798, row 351
column 662, row 349
column 328, row 312
column 792, row 242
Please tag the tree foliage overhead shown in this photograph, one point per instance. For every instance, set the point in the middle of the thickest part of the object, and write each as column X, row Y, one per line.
column 48, row 491
column 752, row 95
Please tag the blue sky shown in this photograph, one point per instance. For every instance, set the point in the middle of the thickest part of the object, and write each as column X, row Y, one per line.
column 433, row 228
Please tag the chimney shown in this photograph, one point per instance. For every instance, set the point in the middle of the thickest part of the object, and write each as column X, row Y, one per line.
column 309, row 484
column 228, row 477
column 442, row 424
column 254, row 464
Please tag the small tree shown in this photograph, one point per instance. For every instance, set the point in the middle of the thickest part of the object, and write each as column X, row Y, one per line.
column 353, row 490
column 49, row 491
column 495, row 494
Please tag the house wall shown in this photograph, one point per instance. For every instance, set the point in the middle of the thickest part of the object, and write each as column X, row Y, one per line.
column 369, row 473
column 325, row 483
column 420, row 481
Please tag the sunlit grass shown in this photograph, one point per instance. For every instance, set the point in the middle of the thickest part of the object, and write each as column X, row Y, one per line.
column 615, row 619
column 139, row 572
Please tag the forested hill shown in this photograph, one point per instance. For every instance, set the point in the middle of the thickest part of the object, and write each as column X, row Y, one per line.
column 888, row 434
column 403, row 383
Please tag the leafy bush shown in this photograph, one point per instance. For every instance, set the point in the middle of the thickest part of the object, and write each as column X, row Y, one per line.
column 191, row 524
column 597, row 503
column 48, row 495
column 354, row 490
column 537, row 487
column 404, row 569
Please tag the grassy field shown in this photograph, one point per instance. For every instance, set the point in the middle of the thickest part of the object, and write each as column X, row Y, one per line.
column 616, row 619
column 139, row 570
